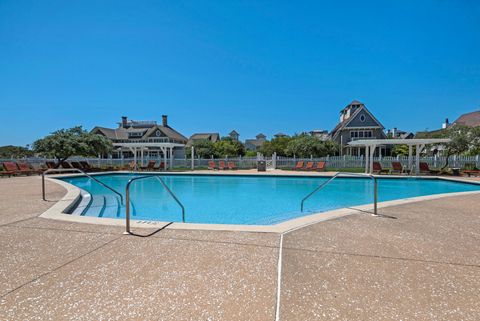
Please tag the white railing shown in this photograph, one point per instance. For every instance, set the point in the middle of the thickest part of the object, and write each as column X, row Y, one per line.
column 333, row 162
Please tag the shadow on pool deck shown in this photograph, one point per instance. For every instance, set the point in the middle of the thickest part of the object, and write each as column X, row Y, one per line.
column 425, row 265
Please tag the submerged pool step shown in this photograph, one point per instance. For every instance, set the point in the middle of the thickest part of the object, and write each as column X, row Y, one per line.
column 96, row 206
column 112, row 206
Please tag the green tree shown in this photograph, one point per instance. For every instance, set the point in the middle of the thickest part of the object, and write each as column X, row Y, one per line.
column 11, row 151
column 204, row 148
column 276, row 145
column 306, row 146
column 229, row 148
column 464, row 139
column 75, row 141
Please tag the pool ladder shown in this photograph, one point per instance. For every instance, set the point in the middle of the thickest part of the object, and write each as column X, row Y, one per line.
column 375, row 188
column 76, row 170
column 127, row 196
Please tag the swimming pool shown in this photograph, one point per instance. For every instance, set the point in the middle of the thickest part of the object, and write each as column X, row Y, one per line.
column 243, row 199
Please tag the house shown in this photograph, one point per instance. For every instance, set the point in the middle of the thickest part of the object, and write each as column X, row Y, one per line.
column 234, row 135
column 357, row 122
column 213, row 137
column 320, row 134
column 399, row 134
column 470, row 119
column 255, row 144
column 148, row 137
column 280, row 135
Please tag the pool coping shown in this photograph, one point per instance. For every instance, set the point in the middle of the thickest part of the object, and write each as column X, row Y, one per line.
column 73, row 195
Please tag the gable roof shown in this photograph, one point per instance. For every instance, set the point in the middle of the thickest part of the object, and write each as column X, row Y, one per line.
column 340, row 126
column 470, row 119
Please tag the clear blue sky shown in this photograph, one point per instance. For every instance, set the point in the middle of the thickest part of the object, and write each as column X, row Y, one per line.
column 253, row 66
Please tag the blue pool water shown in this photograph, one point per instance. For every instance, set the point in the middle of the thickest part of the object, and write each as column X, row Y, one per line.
column 257, row 200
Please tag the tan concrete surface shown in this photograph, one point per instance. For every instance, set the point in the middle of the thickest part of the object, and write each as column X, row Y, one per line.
column 423, row 265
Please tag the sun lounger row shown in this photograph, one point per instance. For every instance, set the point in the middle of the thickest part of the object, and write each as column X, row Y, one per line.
column 221, row 165
column 20, row 168
column 398, row 168
column 310, row 166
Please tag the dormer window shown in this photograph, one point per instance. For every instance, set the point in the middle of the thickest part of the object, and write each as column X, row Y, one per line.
column 362, row 118
column 158, row 133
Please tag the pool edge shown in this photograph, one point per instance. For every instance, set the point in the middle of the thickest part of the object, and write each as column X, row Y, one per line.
column 56, row 212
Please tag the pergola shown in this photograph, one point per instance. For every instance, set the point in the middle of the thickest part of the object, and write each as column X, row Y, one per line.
column 371, row 144
column 166, row 148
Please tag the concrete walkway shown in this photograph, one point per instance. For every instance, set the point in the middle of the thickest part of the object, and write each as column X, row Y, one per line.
column 423, row 265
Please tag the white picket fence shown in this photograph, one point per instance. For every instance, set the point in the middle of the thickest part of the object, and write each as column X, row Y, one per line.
column 334, row 162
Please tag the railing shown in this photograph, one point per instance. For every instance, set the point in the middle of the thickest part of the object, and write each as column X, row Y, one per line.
column 77, row 170
column 375, row 188
column 127, row 196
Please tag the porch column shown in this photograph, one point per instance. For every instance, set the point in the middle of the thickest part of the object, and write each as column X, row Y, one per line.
column 410, row 160
column 171, row 157
column 192, row 158
column 164, row 149
column 367, row 157
column 372, row 152
column 417, row 158
column 141, row 157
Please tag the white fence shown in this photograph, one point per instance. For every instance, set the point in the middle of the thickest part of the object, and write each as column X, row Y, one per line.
column 334, row 162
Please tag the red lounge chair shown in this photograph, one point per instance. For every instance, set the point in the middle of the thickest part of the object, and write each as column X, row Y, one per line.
column 299, row 166
column 26, row 169
column 12, row 167
column 320, row 166
column 66, row 165
column 221, row 165
column 425, row 169
column 150, row 166
column 471, row 172
column 7, row 172
column 231, row 165
column 77, row 165
column 211, row 165
column 397, row 167
column 88, row 168
column 160, row 167
column 50, row 164
column 377, row 168
column 309, row 166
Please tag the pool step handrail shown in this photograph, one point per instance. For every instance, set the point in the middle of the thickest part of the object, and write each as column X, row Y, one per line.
column 375, row 188
column 127, row 199
column 77, row 170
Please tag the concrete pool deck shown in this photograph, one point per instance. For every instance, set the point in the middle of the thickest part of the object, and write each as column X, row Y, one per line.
column 421, row 264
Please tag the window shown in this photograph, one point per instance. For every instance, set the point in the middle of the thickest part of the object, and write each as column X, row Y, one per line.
column 158, row 133
column 362, row 118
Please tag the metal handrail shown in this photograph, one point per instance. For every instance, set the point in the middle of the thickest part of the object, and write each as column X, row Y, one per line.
column 80, row 171
column 375, row 188
column 127, row 196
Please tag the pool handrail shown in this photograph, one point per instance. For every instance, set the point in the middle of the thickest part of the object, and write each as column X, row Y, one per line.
column 127, row 199
column 375, row 188
column 80, row 171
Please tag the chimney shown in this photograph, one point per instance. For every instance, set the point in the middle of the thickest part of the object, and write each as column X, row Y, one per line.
column 394, row 132
column 164, row 120
column 124, row 121
column 446, row 124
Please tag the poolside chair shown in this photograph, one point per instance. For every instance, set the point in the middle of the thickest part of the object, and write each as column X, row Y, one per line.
column 150, row 166
column 211, row 165
column 377, row 168
column 309, row 166
column 6, row 172
column 27, row 169
column 321, row 166
column 160, row 167
column 12, row 167
column 88, row 167
column 50, row 164
column 298, row 166
column 77, row 165
column 66, row 165
column 397, row 167
column 221, row 165
column 425, row 169
column 471, row 172
column 231, row 165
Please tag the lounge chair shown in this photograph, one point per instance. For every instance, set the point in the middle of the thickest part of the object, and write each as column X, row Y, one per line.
column 77, row 165
column 377, row 168
column 66, row 165
column 298, row 166
column 160, row 167
column 150, row 166
column 212, row 165
column 231, row 165
column 320, row 166
column 309, row 166
column 471, row 172
column 88, row 167
column 50, row 164
column 27, row 169
column 221, row 165
column 12, row 167
column 425, row 169
column 397, row 167
column 7, row 172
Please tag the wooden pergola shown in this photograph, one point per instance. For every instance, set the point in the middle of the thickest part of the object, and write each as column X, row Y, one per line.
column 371, row 144
column 165, row 147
